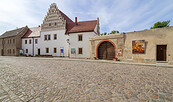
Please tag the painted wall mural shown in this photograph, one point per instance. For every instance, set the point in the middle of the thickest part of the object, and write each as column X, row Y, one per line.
column 138, row 47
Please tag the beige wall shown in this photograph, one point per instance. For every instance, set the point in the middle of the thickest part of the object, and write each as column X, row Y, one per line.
column 154, row 37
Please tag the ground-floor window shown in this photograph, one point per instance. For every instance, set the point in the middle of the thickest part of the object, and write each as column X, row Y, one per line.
column 13, row 51
column 54, row 50
column 80, row 51
column 47, row 50
column 26, row 50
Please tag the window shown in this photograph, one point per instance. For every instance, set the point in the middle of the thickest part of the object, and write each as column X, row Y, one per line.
column 29, row 41
column 80, row 50
column 13, row 41
column 49, row 24
column 48, row 37
column 26, row 51
column 54, row 50
column 47, row 50
column 13, row 51
column 36, row 41
column 45, row 37
column 10, row 51
column 55, row 23
column 25, row 41
column 79, row 37
column 10, row 41
column 55, row 36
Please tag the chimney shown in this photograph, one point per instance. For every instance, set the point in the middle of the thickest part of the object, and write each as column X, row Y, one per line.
column 76, row 21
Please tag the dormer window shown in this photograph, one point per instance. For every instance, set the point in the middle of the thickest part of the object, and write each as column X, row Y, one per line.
column 49, row 24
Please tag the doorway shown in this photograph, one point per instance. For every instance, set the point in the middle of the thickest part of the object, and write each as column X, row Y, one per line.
column 161, row 52
column 38, row 51
column 106, row 51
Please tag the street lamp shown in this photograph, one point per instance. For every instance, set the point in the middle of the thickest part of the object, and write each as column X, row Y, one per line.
column 68, row 41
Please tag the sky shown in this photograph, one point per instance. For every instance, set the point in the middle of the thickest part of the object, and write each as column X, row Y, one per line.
column 121, row 15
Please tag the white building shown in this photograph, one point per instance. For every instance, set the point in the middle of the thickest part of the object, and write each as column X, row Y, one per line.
column 60, row 36
column 30, row 41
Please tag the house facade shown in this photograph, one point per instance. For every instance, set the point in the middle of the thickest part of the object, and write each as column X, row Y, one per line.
column 148, row 46
column 59, row 35
column 11, row 42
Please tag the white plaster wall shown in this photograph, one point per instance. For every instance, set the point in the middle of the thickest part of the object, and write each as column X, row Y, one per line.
column 74, row 43
column 51, row 44
column 27, row 46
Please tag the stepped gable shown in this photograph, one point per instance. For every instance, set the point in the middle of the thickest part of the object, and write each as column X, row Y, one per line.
column 32, row 32
column 15, row 32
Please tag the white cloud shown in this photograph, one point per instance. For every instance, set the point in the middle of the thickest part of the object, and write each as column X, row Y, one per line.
column 122, row 15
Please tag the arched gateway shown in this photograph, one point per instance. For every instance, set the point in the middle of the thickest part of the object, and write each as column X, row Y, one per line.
column 106, row 50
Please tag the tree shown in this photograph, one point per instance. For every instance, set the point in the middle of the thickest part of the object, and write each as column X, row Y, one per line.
column 105, row 33
column 114, row 32
column 161, row 24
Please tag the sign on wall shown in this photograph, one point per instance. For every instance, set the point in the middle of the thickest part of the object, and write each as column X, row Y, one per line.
column 120, row 52
column 21, row 51
column 73, row 51
column 138, row 46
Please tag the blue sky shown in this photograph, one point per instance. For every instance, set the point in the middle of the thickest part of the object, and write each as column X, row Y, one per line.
column 122, row 15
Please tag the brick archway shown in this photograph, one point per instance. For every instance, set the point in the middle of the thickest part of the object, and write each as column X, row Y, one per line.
column 103, row 42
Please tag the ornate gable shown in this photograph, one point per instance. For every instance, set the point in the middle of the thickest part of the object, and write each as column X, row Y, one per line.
column 53, row 20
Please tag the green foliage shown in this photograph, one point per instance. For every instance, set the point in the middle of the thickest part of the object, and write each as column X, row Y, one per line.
column 105, row 33
column 161, row 24
column 113, row 32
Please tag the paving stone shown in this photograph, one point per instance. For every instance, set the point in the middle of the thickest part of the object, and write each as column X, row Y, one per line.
column 53, row 80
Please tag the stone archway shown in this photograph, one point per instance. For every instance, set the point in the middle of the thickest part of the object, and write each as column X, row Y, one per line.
column 106, row 50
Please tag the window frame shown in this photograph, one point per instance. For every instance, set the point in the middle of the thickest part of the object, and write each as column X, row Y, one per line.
column 48, row 37
column 47, row 51
column 26, row 41
column 54, row 50
column 30, row 41
column 81, row 37
column 26, row 50
column 54, row 36
column 79, row 50
column 36, row 41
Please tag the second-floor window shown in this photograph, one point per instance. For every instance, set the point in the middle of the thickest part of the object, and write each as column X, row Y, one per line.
column 13, row 41
column 55, row 36
column 29, row 41
column 36, row 41
column 79, row 37
column 47, row 37
column 25, row 41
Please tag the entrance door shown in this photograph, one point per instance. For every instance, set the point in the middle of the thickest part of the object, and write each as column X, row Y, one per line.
column 106, row 51
column 38, row 51
column 161, row 52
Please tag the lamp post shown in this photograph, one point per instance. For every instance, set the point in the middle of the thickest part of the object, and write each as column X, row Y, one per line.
column 68, row 41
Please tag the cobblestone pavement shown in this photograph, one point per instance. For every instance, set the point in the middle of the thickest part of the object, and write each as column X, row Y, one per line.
column 26, row 79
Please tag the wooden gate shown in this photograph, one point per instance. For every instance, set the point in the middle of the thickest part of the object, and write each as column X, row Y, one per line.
column 106, row 51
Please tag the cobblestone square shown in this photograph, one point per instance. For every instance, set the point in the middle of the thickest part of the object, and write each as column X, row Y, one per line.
column 32, row 79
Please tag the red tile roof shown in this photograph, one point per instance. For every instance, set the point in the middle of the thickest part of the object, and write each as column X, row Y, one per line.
column 83, row 26
column 32, row 32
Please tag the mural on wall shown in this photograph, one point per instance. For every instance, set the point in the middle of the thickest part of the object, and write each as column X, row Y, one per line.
column 120, row 52
column 138, row 46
